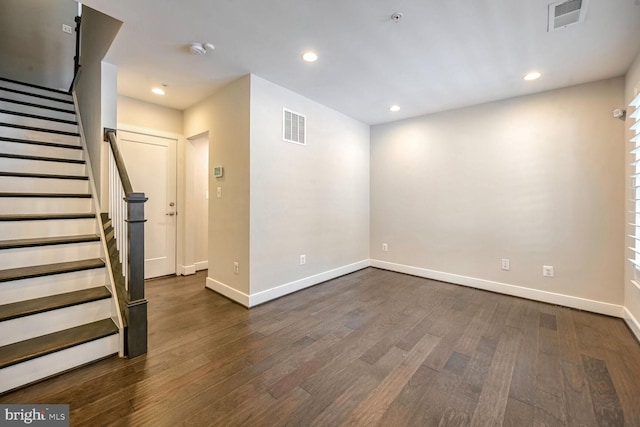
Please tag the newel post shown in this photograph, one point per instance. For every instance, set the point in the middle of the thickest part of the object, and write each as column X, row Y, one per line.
column 136, row 336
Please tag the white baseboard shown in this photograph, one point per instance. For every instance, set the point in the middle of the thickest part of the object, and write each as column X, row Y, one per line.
column 228, row 291
column 185, row 270
column 633, row 323
column 202, row 265
column 504, row 288
column 285, row 289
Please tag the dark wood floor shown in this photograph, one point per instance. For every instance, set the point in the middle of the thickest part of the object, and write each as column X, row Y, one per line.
column 370, row 348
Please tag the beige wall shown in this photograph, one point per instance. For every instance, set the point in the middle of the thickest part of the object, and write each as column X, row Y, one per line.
column 632, row 292
column 149, row 116
column 311, row 199
column 225, row 115
column 536, row 179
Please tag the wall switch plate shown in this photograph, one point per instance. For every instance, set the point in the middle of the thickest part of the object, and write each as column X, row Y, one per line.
column 219, row 192
column 67, row 29
column 236, row 267
column 547, row 270
column 385, row 247
column 303, row 259
column 505, row 264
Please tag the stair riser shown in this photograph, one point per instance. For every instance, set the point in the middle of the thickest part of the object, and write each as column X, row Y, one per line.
column 43, row 185
column 24, row 257
column 39, row 123
column 12, row 106
column 39, row 150
column 38, row 136
column 23, row 88
column 20, row 205
column 54, row 363
column 34, row 100
column 40, row 166
column 27, row 327
column 10, row 230
column 39, row 287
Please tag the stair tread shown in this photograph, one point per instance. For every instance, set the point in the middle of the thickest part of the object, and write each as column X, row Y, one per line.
column 44, row 217
column 48, row 241
column 41, row 158
column 46, row 344
column 52, row 195
column 38, row 117
column 35, row 86
column 52, row 302
column 44, row 175
column 49, row 269
column 35, row 95
column 45, row 143
column 38, row 129
column 31, row 104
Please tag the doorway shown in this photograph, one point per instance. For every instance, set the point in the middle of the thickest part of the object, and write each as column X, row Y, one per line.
column 197, row 201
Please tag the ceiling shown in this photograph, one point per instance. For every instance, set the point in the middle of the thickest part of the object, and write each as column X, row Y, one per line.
column 443, row 54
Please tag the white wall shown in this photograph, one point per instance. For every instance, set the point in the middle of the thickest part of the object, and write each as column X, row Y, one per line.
column 311, row 200
column 537, row 179
column 225, row 116
column 632, row 291
column 149, row 116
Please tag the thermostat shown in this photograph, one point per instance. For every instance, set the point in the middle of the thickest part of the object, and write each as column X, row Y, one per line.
column 217, row 171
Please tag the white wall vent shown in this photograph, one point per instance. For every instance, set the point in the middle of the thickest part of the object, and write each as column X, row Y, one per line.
column 566, row 12
column 294, row 127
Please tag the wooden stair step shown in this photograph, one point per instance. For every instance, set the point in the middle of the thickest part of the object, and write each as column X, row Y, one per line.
column 53, row 302
column 48, row 241
column 35, row 95
column 31, row 104
column 41, row 158
column 35, row 86
column 38, row 117
column 48, row 195
column 43, row 175
column 23, row 351
column 45, row 143
column 49, row 269
column 38, row 129
column 45, row 217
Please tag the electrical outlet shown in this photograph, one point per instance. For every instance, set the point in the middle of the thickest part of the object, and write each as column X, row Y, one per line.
column 236, row 267
column 385, row 247
column 303, row 259
column 547, row 270
column 506, row 264
column 67, row 29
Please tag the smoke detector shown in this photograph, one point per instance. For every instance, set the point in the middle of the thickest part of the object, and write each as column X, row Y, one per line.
column 200, row 48
column 396, row 17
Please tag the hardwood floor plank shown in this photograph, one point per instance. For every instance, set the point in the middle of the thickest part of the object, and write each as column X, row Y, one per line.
column 603, row 394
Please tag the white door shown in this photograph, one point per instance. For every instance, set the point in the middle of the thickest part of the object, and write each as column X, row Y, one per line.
column 151, row 164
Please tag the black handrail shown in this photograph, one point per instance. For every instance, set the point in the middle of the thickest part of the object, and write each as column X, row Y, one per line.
column 122, row 170
column 76, row 58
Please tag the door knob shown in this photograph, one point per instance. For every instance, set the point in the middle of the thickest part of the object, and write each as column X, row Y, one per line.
column 171, row 213
column 172, row 204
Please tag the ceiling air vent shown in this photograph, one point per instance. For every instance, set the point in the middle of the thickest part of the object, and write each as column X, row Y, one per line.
column 294, row 127
column 565, row 13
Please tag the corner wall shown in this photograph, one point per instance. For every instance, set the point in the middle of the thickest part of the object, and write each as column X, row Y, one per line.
column 535, row 179
column 631, row 289
column 308, row 199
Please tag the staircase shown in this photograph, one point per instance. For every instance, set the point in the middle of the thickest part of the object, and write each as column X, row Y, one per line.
column 56, row 306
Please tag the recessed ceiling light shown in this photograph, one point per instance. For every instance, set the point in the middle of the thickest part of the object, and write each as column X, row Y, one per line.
column 532, row 75
column 394, row 108
column 157, row 91
column 310, row 56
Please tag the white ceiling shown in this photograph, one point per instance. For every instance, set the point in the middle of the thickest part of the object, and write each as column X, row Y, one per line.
column 443, row 54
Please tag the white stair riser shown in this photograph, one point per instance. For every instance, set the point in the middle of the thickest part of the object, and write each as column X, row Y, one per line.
column 24, row 373
column 40, row 287
column 35, row 90
column 47, row 228
column 37, row 205
column 34, row 100
column 28, row 327
column 41, row 166
column 42, row 185
column 39, row 150
column 38, row 123
column 39, row 111
column 37, row 255
column 33, row 135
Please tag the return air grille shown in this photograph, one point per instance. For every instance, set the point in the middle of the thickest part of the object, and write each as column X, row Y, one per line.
column 294, row 127
column 565, row 13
